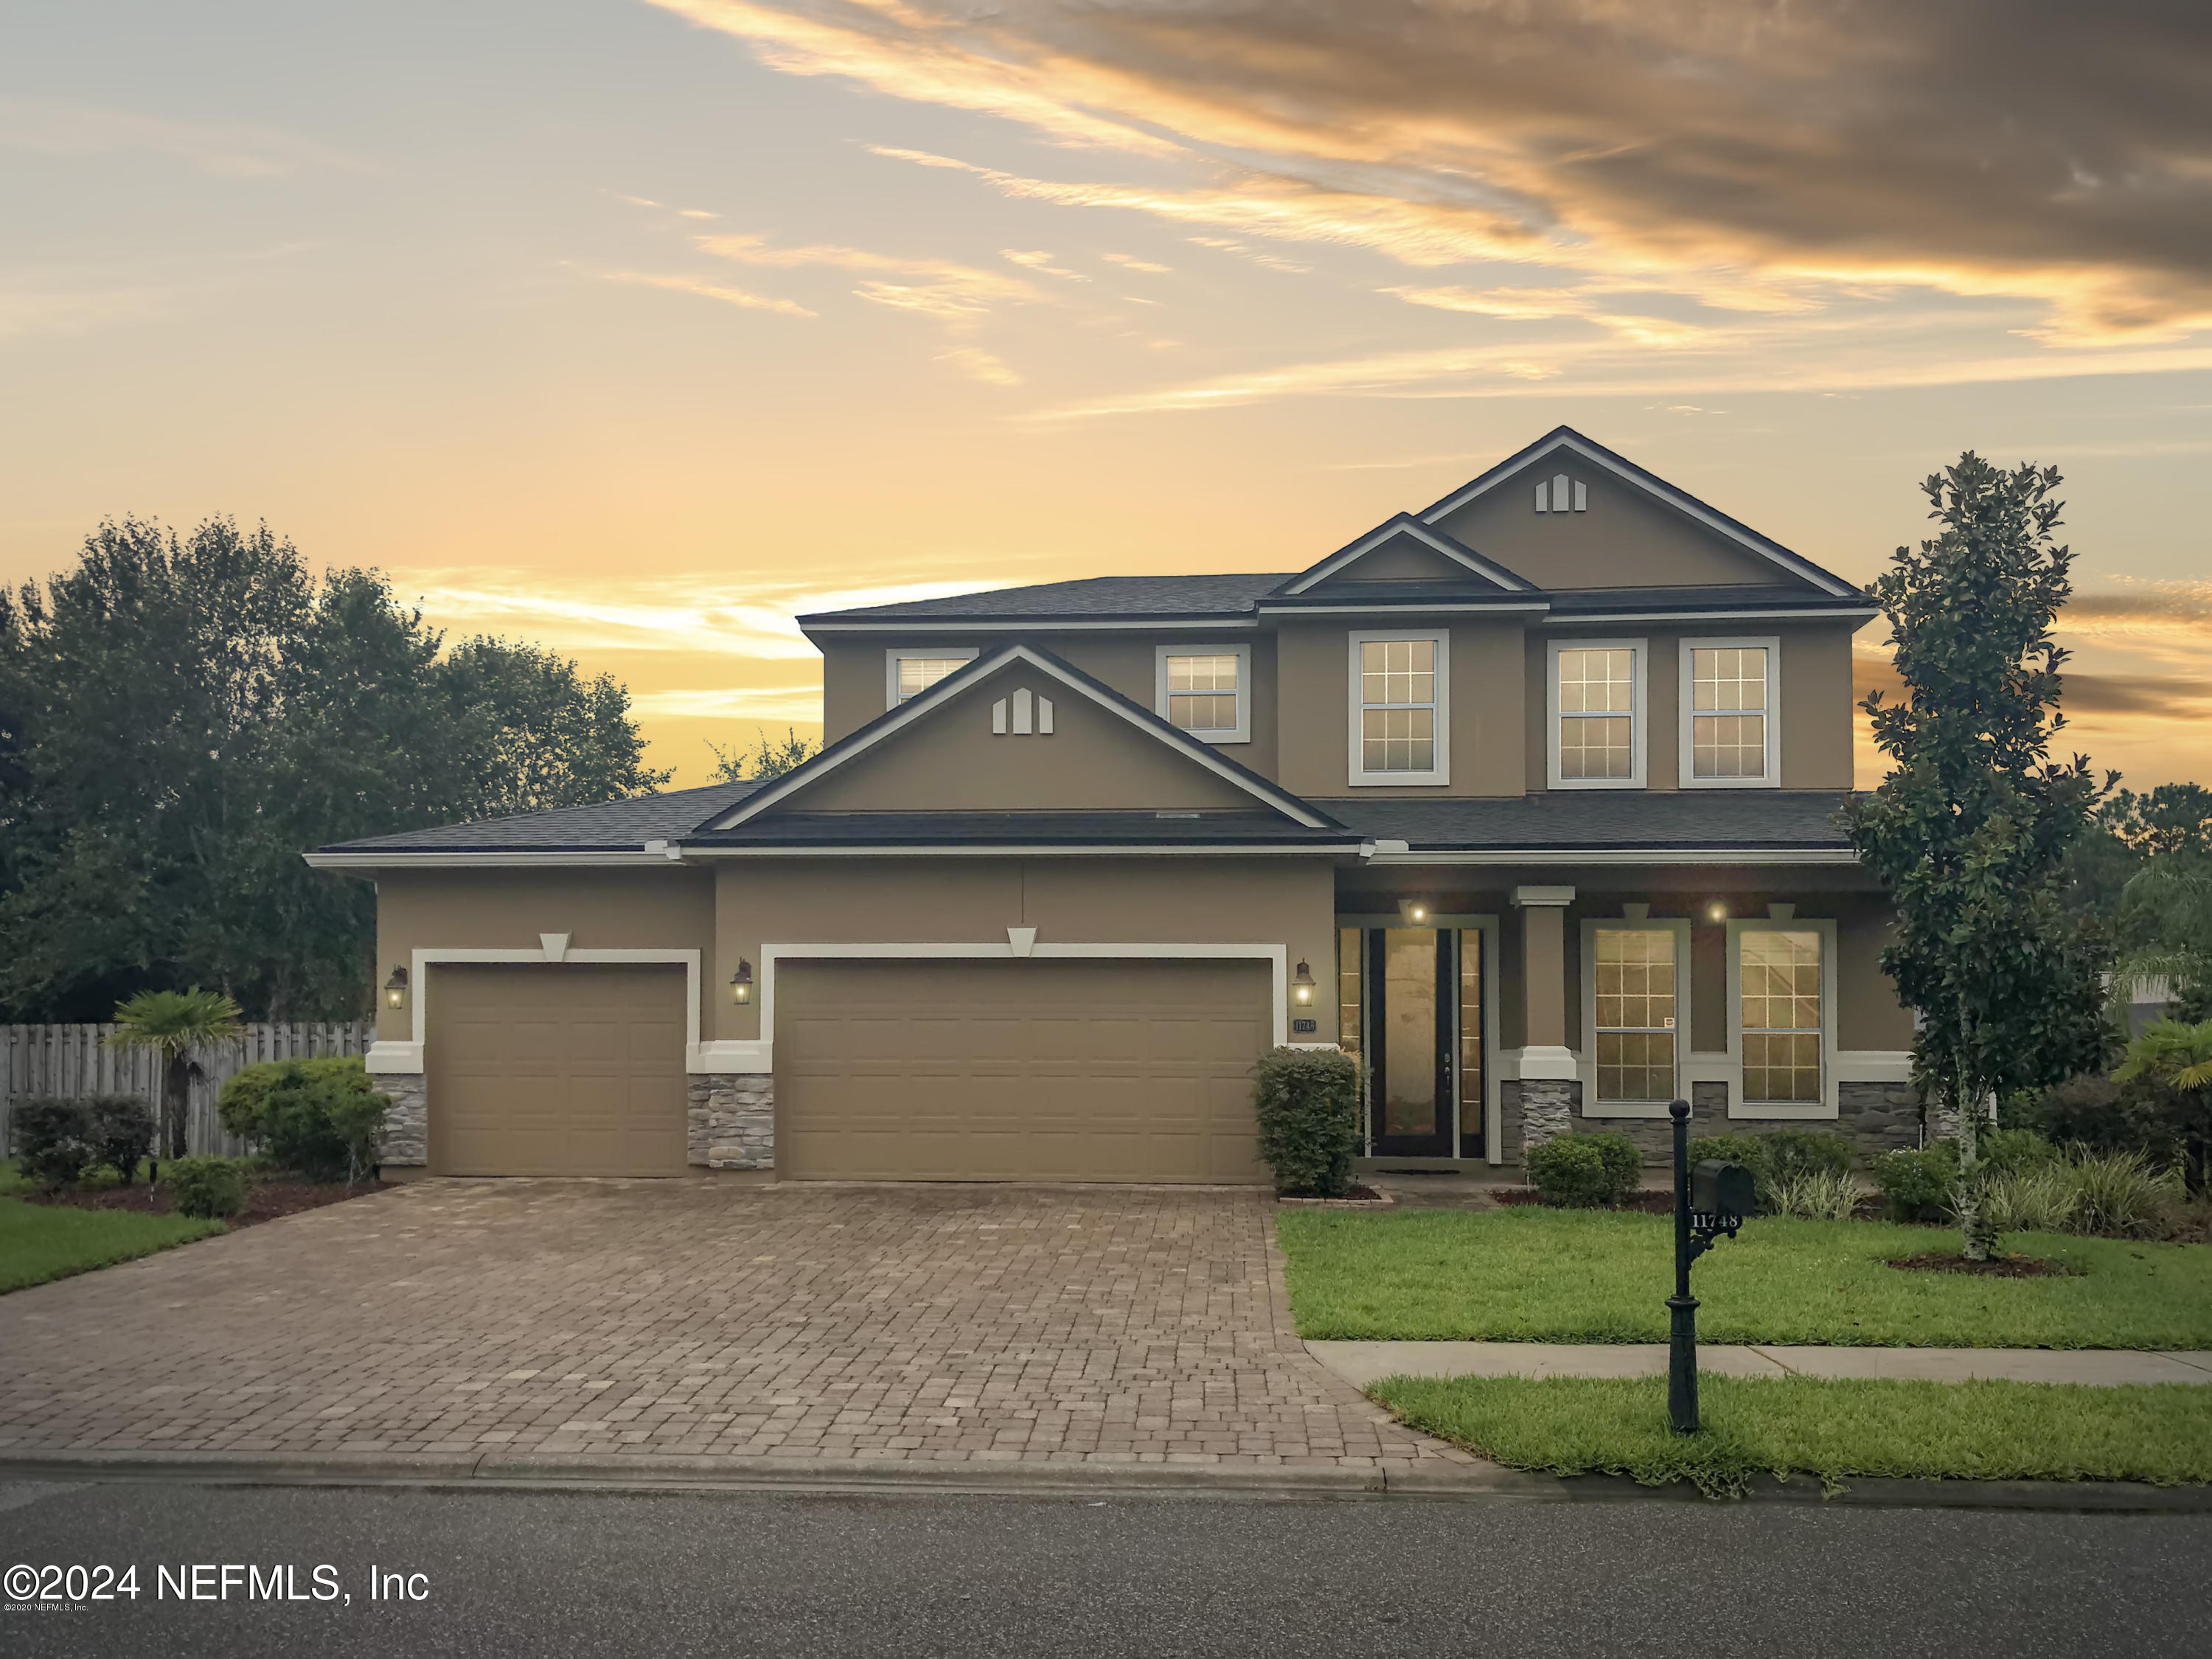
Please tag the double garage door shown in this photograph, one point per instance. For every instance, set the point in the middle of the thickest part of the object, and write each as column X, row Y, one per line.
column 938, row 1070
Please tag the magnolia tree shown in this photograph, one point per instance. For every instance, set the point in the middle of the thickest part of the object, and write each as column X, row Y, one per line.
column 1971, row 830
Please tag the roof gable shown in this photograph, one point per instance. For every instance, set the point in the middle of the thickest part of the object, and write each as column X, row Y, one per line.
column 1020, row 731
column 1404, row 548
column 1734, row 552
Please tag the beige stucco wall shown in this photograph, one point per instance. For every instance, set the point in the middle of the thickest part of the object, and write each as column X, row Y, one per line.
column 1286, row 901
column 667, row 909
column 1625, row 537
column 1815, row 692
column 1486, row 687
column 950, row 759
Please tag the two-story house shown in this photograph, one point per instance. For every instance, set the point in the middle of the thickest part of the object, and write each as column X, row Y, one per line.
column 1527, row 800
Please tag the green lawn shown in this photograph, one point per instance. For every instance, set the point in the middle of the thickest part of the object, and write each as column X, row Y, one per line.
column 1834, row 1430
column 39, row 1242
column 1541, row 1275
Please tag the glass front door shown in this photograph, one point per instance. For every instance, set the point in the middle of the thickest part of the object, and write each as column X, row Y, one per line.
column 1411, row 1008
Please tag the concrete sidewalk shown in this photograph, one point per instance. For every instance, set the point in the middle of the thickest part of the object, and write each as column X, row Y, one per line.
column 1362, row 1363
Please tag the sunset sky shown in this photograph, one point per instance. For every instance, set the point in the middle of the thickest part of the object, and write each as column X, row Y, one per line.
column 634, row 326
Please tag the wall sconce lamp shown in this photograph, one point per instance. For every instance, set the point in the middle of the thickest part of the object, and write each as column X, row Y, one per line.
column 395, row 988
column 1302, row 988
column 1416, row 912
column 741, row 983
column 1716, row 910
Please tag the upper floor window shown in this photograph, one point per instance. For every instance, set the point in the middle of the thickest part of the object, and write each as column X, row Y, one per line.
column 908, row 673
column 1207, row 692
column 1597, row 715
column 1730, row 735
column 1400, row 708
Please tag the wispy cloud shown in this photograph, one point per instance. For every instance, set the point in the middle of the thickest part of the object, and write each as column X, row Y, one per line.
column 707, row 290
column 737, row 702
column 939, row 288
column 1038, row 259
column 980, row 365
column 228, row 149
column 1130, row 262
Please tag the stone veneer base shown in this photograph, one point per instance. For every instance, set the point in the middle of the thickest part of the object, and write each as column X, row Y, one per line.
column 1875, row 1117
column 406, row 1143
column 730, row 1120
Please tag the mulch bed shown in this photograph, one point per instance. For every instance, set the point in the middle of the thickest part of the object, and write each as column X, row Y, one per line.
column 1646, row 1203
column 1998, row 1266
column 265, row 1200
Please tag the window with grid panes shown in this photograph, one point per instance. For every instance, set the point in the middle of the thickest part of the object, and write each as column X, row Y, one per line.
column 1202, row 691
column 1633, row 1013
column 1779, row 1014
column 1728, row 712
column 1597, row 712
column 917, row 674
column 1398, row 706
column 1350, row 1005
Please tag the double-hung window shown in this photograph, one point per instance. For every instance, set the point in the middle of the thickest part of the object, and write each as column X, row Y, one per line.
column 1781, row 997
column 1634, row 977
column 1206, row 690
column 1400, row 708
column 1597, row 715
column 909, row 672
column 1731, row 734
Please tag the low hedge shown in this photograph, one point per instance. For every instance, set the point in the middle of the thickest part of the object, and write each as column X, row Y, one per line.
column 1308, row 1103
column 1582, row 1170
column 322, row 1117
column 210, row 1188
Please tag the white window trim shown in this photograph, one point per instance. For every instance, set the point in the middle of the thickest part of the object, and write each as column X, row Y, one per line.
column 1688, row 761
column 1441, row 772
column 964, row 652
column 1241, row 732
column 1639, row 676
column 1586, row 1057
column 1828, row 1105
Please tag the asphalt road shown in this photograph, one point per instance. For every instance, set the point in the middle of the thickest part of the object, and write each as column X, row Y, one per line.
column 505, row 1572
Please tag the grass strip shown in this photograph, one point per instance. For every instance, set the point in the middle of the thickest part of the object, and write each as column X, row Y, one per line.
column 41, row 1241
column 1539, row 1275
column 1837, row 1430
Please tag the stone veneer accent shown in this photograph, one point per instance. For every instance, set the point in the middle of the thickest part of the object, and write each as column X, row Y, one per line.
column 1875, row 1117
column 731, row 1120
column 407, row 1126
column 1546, row 1107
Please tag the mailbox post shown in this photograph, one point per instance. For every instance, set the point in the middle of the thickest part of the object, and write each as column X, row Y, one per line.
column 1709, row 1201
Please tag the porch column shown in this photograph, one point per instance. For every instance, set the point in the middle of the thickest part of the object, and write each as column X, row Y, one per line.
column 1547, row 1065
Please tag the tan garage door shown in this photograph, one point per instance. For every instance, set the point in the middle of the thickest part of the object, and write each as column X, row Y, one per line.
column 572, row 1070
column 1018, row 1070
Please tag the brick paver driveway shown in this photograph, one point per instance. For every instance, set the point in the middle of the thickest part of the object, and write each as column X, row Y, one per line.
column 607, row 1317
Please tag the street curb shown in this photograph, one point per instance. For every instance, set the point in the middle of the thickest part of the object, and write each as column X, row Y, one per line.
column 647, row 1471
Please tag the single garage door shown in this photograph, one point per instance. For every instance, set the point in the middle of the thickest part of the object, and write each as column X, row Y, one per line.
column 1018, row 1070
column 568, row 1070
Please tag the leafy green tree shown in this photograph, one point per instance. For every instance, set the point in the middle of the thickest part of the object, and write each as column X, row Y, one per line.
column 173, row 1024
column 181, row 717
column 1971, row 830
column 770, row 757
column 2176, row 1056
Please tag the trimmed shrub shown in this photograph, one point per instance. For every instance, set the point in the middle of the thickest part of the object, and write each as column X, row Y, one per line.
column 1308, row 1103
column 1750, row 1150
column 1791, row 1153
column 206, row 1187
column 1918, row 1186
column 1585, row 1170
column 2094, row 1112
column 1817, row 1195
column 321, row 1117
column 121, row 1131
column 53, row 1140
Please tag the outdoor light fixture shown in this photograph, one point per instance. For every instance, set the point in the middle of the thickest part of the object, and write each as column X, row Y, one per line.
column 1717, row 911
column 1416, row 912
column 395, row 988
column 741, row 983
column 1302, row 986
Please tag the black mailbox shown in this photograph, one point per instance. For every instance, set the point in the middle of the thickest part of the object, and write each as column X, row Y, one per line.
column 1720, row 1188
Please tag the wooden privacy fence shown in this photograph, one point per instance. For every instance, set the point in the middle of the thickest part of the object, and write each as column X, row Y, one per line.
column 77, row 1060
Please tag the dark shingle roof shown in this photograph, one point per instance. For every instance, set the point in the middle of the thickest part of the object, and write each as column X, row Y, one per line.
column 1564, row 820
column 1094, row 597
column 1600, row 601
column 1027, row 829
column 611, row 826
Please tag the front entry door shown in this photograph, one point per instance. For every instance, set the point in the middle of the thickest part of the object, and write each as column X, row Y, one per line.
column 1409, row 974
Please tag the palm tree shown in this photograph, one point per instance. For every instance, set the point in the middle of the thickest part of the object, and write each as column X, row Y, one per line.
column 2177, row 1056
column 173, row 1024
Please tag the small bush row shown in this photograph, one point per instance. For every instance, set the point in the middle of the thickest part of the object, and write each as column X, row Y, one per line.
column 2030, row 1185
column 58, row 1139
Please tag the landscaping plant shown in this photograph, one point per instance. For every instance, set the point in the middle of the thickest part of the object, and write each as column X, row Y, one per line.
column 173, row 1024
column 2177, row 1058
column 121, row 1130
column 1816, row 1196
column 2123, row 1194
column 1919, row 1185
column 206, row 1187
column 1971, row 831
column 53, row 1140
column 1585, row 1170
column 1308, row 1103
column 2044, row 1198
column 322, row 1117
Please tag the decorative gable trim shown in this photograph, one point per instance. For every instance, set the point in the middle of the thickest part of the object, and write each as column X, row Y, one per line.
column 897, row 719
column 1567, row 439
column 1428, row 535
